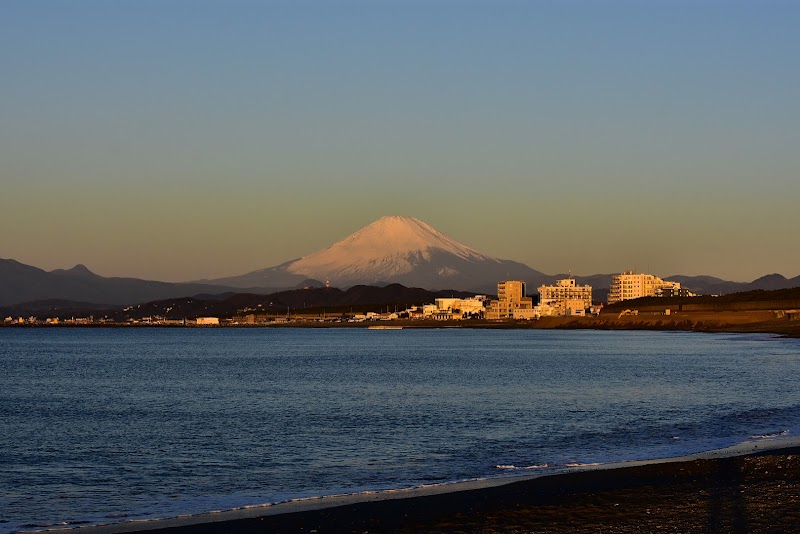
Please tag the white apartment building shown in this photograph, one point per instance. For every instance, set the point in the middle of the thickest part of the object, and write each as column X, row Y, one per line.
column 566, row 297
column 630, row 285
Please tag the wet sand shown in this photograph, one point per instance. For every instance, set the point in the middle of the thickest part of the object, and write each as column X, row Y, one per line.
column 753, row 487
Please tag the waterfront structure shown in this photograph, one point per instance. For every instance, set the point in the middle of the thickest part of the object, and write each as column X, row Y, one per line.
column 428, row 310
column 445, row 309
column 208, row 321
column 458, row 308
column 566, row 297
column 511, row 302
column 630, row 285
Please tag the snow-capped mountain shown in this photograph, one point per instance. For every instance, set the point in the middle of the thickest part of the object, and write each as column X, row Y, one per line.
column 393, row 249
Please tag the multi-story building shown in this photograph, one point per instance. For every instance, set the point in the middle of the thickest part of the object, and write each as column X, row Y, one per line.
column 511, row 302
column 630, row 285
column 566, row 297
column 673, row 289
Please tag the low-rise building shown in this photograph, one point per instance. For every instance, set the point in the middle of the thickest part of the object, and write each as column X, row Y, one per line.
column 249, row 318
column 673, row 289
column 207, row 321
column 459, row 308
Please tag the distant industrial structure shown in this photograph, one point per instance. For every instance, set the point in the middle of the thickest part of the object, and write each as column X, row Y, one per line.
column 629, row 285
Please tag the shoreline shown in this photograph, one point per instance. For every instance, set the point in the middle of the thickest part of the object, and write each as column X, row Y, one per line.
column 778, row 322
column 781, row 330
column 442, row 501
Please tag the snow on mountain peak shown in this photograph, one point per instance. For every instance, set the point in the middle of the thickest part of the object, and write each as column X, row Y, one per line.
column 390, row 246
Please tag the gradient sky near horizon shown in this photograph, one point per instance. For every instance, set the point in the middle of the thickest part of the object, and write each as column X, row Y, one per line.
column 178, row 140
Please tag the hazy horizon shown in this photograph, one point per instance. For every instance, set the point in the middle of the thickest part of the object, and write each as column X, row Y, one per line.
column 175, row 140
column 572, row 272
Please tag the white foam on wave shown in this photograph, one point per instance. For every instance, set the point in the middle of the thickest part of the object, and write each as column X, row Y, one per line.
column 528, row 467
column 342, row 499
column 771, row 436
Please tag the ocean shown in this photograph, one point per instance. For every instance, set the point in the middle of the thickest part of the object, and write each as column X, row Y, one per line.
column 106, row 425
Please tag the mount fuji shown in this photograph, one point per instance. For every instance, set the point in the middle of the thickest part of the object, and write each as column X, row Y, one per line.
column 393, row 249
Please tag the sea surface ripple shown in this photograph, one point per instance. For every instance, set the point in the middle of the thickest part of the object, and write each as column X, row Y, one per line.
column 106, row 425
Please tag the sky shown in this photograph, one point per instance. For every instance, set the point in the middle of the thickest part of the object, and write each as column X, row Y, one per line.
column 178, row 140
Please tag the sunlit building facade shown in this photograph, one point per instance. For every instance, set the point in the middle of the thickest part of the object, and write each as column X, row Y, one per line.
column 511, row 302
column 566, row 297
column 629, row 285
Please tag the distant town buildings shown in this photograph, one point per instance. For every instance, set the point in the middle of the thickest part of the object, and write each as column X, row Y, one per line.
column 566, row 297
column 446, row 309
column 563, row 298
column 630, row 285
column 511, row 302
column 458, row 308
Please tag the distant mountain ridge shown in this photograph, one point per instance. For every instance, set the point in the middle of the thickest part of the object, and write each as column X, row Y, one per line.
column 23, row 287
column 709, row 285
column 333, row 302
column 394, row 249
column 391, row 250
column 21, row 283
column 405, row 250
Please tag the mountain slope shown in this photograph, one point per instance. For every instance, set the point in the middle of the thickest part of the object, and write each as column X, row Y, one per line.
column 389, row 247
column 395, row 249
column 24, row 283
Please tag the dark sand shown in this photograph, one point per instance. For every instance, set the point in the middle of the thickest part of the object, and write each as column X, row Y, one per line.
column 752, row 322
column 757, row 492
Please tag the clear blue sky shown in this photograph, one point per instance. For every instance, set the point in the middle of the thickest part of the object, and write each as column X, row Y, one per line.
column 186, row 139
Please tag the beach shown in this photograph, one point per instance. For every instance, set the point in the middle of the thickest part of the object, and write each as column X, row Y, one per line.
column 752, row 487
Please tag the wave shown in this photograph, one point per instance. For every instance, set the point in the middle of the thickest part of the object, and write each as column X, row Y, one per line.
column 772, row 435
column 512, row 467
column 54, row 524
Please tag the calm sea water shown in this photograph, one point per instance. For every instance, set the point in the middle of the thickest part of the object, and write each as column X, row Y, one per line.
column 103, row 425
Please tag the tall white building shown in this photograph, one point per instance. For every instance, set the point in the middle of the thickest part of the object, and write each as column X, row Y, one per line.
column 630, row 285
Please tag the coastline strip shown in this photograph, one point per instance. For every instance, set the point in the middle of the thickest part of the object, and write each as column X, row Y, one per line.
column 431, row 497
